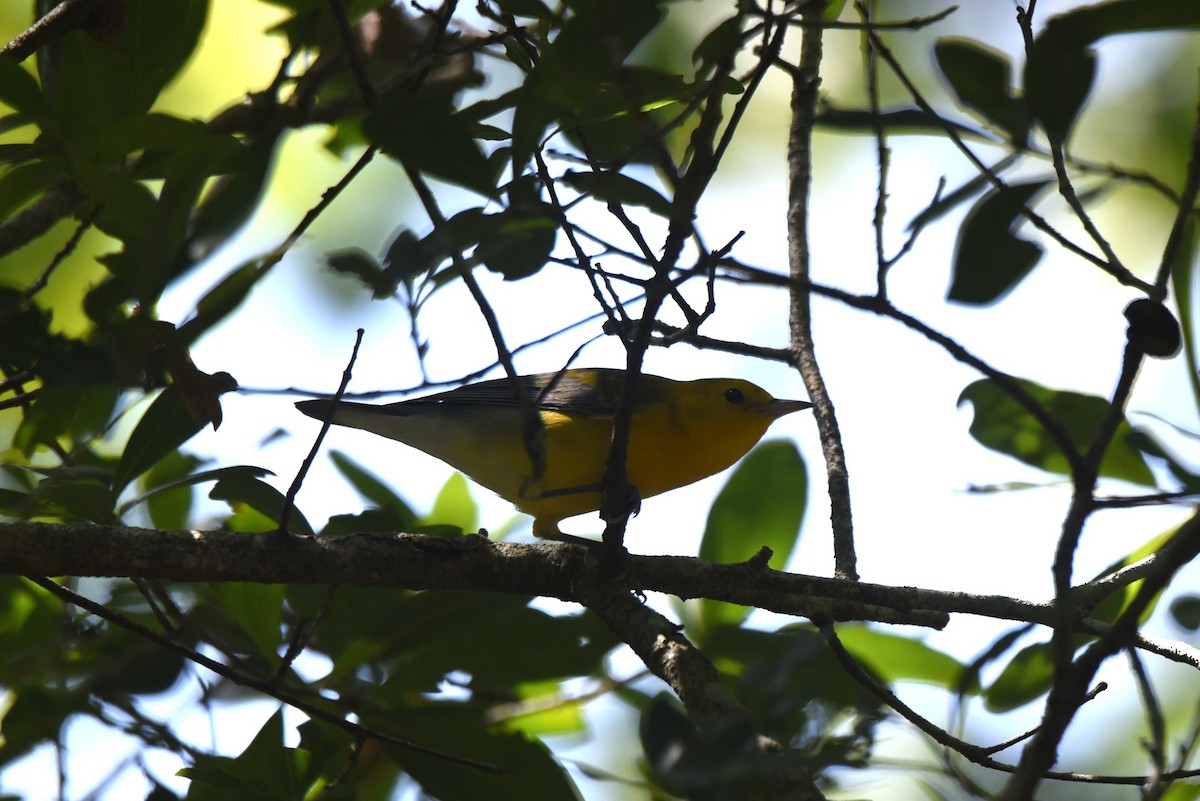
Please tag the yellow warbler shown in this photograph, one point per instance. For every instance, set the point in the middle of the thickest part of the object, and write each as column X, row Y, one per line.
column 682, row 432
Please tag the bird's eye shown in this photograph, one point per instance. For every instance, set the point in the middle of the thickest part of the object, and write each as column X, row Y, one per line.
column 734, row 395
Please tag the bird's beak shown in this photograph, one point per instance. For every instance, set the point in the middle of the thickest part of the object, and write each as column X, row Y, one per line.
column 778, row 408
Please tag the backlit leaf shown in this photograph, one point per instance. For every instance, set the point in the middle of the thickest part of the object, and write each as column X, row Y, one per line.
column 1004, row 425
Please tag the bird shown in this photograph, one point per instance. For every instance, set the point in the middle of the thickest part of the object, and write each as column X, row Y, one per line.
column 682, row 431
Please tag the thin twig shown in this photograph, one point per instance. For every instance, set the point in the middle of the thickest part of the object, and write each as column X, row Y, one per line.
column 353, row 56
column 289, row 502
column 61, row 256
column 1157, row 745
column 882, row 155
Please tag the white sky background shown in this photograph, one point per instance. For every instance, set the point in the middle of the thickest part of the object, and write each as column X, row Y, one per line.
column 909, row 454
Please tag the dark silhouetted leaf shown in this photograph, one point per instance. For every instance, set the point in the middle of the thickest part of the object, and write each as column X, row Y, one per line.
column 364, row 267
column 900, row 121
column 165, row 426
column 20, row 91
column 519, row 244
column 955, row 197
column 1060, row 66
column 989, row 259
column 614, row 187
column 22, row 183
column 264, row 770
column 588, row 52
column 460, row 730
column 1185, row 610
column 718, row 44
column 425, row 134
column 982, row 79
column 75, row 498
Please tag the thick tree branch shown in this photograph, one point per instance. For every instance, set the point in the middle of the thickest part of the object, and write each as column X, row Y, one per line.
column 667, row 652
column 418, row 561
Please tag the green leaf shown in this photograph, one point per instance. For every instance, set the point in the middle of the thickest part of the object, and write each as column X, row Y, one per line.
column 989, row 259
column 761, row 504
column 72, row 497
column 1109, row 608
column 1028, row 676
column 244, row 489
column 264, row 770
column 982, row 79
column 160, row 132
column 1181, row 791
column 330, row 749
column 781, row 675
column 167, row 494
column 126, row 204
column 388, row 520
column 543, row 710
column 690, row 762
column 35, row 716
column 370, row 487
column 257, row 609
column 171, row 464
column 164, row 427
column 159, row 254
column 20, row 91
column 894, row 658
column 460, row 730
column 454, row 505
column 499, row 641
column 92, row 84
column 1003, row 425
column 615, row 187
column 1183, row 273
column 22, row 183
column 588, row 51
column 230, row 200
column 425, row 135
column 78, row 409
